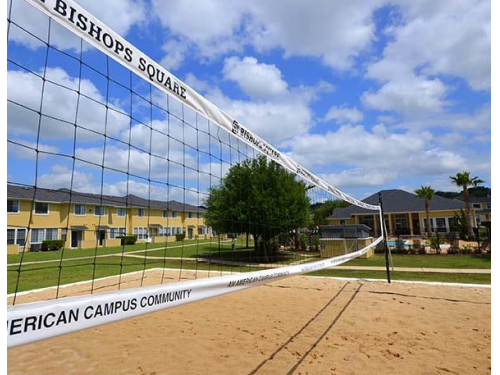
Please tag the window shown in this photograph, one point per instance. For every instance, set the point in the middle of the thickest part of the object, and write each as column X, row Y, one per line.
column 41, row 208
column 198, row 215
column 140, row 212
column 11, row 236
column 98, row 210
column 190, row 215
column 476, row 205
column 116, row 232
column 168, row 231
column 40, row 235
column 121, row 211
column 368, row 221
column 51, row 234
column 16, row 236
column 141, row 232
column 79, row 209
column 489, row 206
column 342, row 222
column 37, row 235
column 441, row 222
column 64, row 234
column 165, row 213
column 401, row 221
column 12, row 206
column 174, row 214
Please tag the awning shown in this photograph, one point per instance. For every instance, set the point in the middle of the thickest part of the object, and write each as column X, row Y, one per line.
column 79, row 227
column 156, row 226
column 103, row 227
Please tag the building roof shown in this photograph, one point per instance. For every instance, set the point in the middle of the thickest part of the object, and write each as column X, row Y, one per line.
column 398, row 201
column 65, row 196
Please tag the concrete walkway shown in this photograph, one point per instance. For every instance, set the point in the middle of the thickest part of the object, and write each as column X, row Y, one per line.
column 415, row 269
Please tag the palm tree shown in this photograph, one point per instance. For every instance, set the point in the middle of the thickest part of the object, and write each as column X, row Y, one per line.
column 465, row 181
column 426, row 193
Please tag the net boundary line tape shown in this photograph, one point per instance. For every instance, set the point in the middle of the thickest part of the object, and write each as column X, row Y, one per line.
column 76, row 19
column 36, row 321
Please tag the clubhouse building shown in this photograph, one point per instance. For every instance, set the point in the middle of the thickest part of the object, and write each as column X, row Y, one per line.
column 85, row 220
column 405, row 213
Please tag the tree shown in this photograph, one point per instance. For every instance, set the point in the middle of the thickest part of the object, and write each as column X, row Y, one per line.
column 426, row 193
column 260, row 198
column 464, row 181
column 322, row 211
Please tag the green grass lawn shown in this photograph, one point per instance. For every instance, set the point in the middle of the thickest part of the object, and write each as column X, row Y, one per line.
column 426, row 261
column 466, row 278
column 176, row 248
column 40, row 276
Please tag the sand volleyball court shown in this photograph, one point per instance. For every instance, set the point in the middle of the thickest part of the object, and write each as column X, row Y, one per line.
column 301, row 325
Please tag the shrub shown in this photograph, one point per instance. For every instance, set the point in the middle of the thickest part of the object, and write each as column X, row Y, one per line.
column 180, row 236
column 127, row 240
column 52, row 245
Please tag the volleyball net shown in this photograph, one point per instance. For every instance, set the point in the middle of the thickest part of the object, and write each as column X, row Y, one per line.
column 128, row 192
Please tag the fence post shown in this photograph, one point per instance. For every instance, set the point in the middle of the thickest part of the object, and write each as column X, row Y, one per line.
column 384, row 234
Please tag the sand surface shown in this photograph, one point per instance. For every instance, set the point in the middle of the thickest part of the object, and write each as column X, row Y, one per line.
column 301, row 325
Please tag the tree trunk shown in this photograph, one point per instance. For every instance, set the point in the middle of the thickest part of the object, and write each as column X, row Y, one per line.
column 467, row 210
column 428, row 214
column 247, row 239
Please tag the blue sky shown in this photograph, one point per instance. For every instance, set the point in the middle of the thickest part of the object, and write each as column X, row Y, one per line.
column 369, row 95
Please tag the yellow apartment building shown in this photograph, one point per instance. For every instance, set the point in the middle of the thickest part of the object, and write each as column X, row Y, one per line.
column 404, row 213
column 482, row 208
column 85, row 220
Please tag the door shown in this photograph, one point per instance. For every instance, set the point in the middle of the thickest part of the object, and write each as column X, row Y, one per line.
column 76, row 238
column 416, row 226
column 101, row 237
column 190, row 233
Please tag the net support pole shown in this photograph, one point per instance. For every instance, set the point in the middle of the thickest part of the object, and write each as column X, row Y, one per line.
column 384, row 236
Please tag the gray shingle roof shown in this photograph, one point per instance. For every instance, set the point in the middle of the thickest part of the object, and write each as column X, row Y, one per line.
column 64, row 196
column 398, row 201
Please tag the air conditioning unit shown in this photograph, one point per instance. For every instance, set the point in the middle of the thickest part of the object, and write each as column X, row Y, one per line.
column 36, row 247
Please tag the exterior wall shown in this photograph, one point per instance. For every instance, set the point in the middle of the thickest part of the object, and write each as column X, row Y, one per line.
column 57, row 218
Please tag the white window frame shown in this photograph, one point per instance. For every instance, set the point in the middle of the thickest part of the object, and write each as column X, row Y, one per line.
column 190, row 215
column 165, row 213
column 141, row 233
column 117, row 231
column 42, row 214
column 121, row 209
column 44, row 236
column 103, row 211
column 18, row 207
column 84, row 210
column 16, row 235
column 139, row 210
column 174, row 214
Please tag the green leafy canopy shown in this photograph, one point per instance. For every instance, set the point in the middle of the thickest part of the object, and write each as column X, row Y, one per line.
column 258, row 197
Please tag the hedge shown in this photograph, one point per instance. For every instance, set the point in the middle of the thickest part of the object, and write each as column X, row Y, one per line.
column 128, row 240
column 52, row 245
column 180, row 236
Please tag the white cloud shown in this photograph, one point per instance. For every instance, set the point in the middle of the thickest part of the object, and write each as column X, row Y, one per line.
column 411, row 96
column 119, row 15
column 276, row 115
column 344, row 115
column 259, row 81
column 360, row 177
column 450, row 38
column 175, row 52
column 377, row 152
column 335, row 32
column 60, row 103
